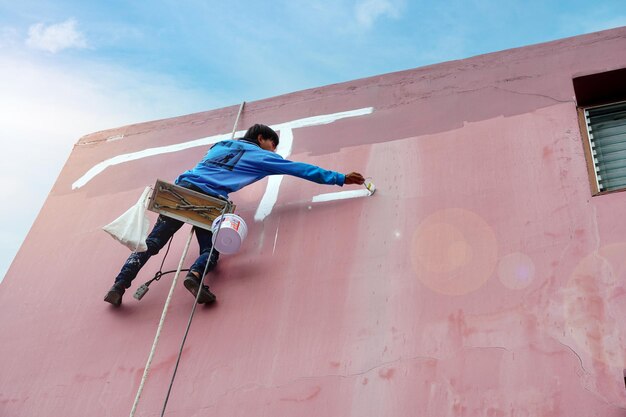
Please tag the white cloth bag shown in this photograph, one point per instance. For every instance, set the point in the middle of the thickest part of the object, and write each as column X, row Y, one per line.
column 131, row 228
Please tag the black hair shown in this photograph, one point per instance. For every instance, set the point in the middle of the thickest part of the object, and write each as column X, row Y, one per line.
column 266, row 132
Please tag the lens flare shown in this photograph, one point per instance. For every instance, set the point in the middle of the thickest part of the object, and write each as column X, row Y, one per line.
column 454, row 251
column 516, row 271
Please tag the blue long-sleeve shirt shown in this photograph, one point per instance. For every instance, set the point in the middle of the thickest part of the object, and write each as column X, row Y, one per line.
column 232, row 164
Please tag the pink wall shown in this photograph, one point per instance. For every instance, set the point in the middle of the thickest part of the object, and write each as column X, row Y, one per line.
column 480, row 280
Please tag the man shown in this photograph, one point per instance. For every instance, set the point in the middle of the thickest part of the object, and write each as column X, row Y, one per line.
column 227, row 167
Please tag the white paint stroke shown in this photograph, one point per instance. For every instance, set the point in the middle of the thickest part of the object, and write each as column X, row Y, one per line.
column 273, row 184
column 269, row 198
column 323, row 119
column 133, row 156
column 341, row 195
column 285, row 145
column 275, row 239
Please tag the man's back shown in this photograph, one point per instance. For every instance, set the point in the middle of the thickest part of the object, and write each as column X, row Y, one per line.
column 232, row 164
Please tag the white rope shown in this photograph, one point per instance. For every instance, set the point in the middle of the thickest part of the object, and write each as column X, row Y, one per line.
column 202, row 278
column 160, row 327
column 167, row 303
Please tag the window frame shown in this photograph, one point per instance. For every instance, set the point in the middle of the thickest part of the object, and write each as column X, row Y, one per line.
column 588, row 148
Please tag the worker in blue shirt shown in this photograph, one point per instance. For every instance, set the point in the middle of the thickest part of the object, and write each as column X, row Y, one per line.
column 227, row 167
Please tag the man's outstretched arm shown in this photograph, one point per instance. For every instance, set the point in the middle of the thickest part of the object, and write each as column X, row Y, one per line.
column 275, row 164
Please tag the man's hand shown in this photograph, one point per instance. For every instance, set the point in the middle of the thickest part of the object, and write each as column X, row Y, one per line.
column 354, row 178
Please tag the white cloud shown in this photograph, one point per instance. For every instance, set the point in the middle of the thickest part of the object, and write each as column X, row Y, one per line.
column 367, row 11
column 55, row 38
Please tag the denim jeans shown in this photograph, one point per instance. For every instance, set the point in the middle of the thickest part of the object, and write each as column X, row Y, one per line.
column 163, row 230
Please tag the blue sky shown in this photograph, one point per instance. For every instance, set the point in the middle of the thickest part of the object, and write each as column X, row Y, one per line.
column 69, row 68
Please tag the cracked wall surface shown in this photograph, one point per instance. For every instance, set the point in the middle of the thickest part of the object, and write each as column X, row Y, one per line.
column 482, row 279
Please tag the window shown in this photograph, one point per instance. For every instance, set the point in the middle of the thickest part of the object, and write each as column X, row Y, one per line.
column 606, row 132
column 601, row 100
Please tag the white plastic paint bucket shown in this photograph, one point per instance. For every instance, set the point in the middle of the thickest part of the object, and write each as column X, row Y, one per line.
column 231, row 233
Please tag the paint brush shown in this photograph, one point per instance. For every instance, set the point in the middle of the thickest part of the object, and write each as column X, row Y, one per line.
column 370, row 186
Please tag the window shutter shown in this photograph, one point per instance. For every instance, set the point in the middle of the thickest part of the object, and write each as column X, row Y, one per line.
column 606, row 126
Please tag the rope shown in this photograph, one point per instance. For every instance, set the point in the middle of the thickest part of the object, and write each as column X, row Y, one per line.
column 163, row 261
column 160, row 327
column 195, row 304
column 143, row 289
column 169, row 297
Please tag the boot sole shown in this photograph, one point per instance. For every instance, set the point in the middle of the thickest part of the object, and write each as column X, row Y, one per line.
column 192, row 286
column 114, row 298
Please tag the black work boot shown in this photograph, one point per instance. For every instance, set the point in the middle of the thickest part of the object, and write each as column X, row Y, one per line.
column 114, row 296
column 192, row 283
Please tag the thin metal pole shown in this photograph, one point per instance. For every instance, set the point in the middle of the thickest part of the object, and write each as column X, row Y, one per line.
column 193, row 311
column 232, row 135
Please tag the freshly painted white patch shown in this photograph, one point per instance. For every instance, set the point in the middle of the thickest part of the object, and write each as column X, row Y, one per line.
column 307, row 121
column 273, row 184
column 341, row 195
